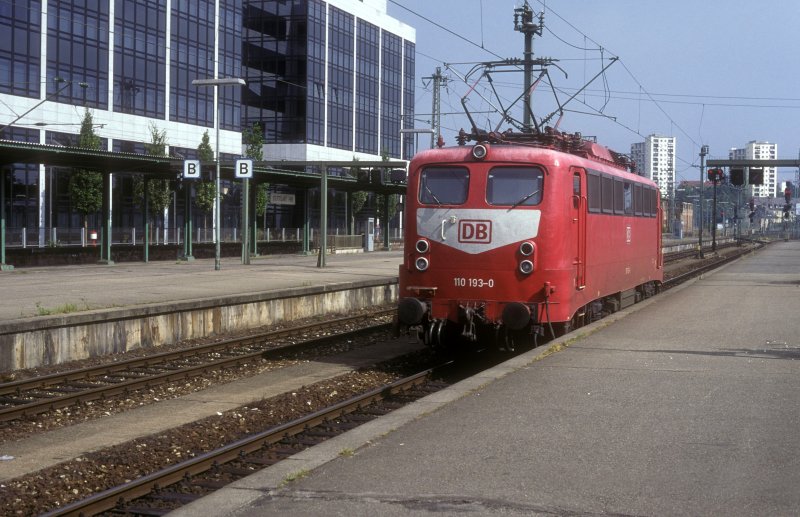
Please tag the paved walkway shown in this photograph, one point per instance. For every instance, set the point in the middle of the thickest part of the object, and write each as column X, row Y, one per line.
column 28, row 292
column 686, row 404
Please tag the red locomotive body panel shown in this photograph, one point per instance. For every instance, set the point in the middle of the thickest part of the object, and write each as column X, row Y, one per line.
column 523, row 236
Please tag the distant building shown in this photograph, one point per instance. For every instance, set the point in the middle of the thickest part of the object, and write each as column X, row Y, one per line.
column 655, row 159
column 759, row 151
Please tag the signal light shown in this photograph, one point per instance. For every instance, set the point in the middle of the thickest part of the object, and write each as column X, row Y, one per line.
column 787, row 194
column 737, row 177
column 715, row 175
column 755, row 176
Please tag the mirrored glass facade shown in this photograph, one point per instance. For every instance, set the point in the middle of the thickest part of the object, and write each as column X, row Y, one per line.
column 20, row 47
column 320, row 75
column 77, row 52
column 140, row 58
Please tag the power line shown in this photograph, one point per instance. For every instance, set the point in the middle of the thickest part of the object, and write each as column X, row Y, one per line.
column 457, row 35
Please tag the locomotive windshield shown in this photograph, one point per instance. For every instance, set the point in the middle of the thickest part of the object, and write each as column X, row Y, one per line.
column 514, row 186
column 444, row 185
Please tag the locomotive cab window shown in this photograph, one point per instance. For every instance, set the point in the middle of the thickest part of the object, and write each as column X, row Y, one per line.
column 515, row 186
column 443, row 185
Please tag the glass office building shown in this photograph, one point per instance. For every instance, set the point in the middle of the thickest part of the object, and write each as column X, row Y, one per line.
column 325, row 80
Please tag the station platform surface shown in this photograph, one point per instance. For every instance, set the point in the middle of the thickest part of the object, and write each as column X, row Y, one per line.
column 685, row 404
column 31, row 292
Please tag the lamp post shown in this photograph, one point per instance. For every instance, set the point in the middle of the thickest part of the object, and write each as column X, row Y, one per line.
column 216, row 83
column 703, row 153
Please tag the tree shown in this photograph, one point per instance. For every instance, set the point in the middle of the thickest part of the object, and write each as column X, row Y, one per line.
column 159, row 191
column 357, row 199
column 381, row 201
column 253, row 138
column 205, row 193
column 86, row 186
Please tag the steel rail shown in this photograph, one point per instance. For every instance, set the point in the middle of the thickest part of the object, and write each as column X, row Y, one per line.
column 144, row 485
column 148, row 381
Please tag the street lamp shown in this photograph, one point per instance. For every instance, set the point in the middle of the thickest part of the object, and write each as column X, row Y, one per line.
column 216, row 83
column 703, row 153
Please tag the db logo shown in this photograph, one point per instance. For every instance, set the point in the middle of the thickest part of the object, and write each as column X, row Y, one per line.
column 470, row 230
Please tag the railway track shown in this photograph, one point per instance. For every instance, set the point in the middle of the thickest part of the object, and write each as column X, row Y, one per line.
column 41, row 394
column 709, row 265
column 159, row 492
column 179, row 484
column 676, row 256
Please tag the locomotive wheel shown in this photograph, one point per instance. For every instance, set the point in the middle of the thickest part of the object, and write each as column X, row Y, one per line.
column 436, row 334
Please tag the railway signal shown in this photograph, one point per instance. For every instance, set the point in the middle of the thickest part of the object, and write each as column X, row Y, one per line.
column 755, row 175
column 737, row 176
column 715, row 175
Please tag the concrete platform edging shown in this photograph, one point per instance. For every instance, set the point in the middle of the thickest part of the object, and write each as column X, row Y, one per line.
column 49, row 340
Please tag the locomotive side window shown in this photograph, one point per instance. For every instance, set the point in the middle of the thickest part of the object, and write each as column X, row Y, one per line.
column 637, row 199
column 627, row 198
column 619, row 197
column 593, row 191
column 443, row 185
column 653, row 195
column 608, row 195
column 514, row 186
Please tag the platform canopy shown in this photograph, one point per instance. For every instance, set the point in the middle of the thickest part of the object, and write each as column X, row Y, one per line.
column 273, row 171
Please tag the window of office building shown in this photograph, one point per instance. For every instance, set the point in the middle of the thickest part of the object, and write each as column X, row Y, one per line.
column 20, row 54
column 367, row 88
column 408, row 97
column 274, row 66
column 315, row 102
column 77, row 52
column 22, row 186
column 192, row 57
column 230, row 63
column 140, row 63
column 340, row 79
column 391, row 94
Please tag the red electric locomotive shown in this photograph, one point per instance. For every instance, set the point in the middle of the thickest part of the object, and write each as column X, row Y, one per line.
column 522, row 236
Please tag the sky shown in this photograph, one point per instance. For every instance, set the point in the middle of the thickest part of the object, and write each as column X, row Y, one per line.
column 711, row 72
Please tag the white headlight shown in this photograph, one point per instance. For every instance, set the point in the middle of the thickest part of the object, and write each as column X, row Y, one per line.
column 422, row 264
column 526, row 248
column 526, row 267
column 479, row 152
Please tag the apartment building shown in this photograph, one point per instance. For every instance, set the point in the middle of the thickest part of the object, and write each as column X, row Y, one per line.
column 655, row 159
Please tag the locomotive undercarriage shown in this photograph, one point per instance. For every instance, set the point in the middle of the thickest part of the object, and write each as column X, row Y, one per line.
column 474, row 327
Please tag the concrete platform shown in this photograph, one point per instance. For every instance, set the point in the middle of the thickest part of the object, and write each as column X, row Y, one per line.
column 119, row 307
column 686, row 404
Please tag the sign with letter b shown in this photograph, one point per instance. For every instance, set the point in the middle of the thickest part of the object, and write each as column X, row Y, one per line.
column 191, row 169
column 244, row 169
